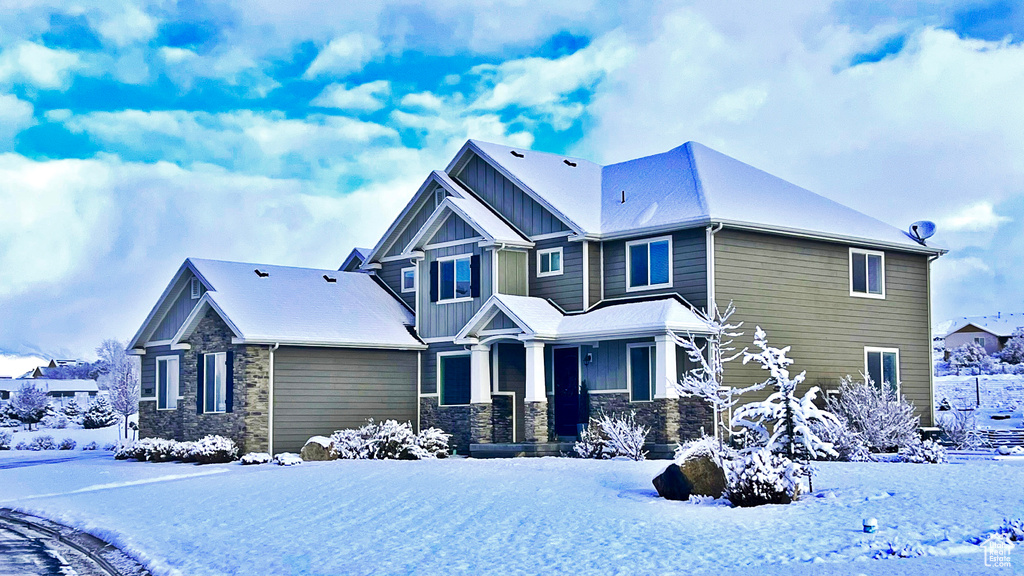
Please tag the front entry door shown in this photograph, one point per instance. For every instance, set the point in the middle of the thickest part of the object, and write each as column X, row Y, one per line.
column 567, row 390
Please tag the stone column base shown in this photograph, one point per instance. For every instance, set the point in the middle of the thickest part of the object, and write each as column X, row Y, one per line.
column 481, row 429
column 535, row 421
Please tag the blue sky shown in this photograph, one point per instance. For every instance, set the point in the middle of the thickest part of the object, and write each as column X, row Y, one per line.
column 136, row 134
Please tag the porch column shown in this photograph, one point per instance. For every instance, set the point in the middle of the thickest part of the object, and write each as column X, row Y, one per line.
column 665, row 367
column 536, row 386
column 480, row 374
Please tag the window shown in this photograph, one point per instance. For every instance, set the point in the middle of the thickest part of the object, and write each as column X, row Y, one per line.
column 980, row 341
column 215, row 382
column 409, row 279
column 648, row 263
column 883, row 367
column 167, row 383
column 867, row 273
column 454, row 279
column 196, row 288
column 453, row 377
column 641, row 370
column 549, row 262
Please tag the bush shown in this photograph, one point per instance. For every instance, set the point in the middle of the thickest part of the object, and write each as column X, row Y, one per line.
column 1013, row 351
column 433, row 442
column 183, row 452
column 761, row 477
column 612, row 436
column 592, row 442
column 214, row 450
column 287, row 459
column 99, row 414
column 848, row 445
column 5, row 439
column 110, row 447
column 255, row 458
column 961, row 429
column 883, row 420
column 56, row 421
column 91, row 446
column 42, row 443
column 1012, row 530
column 927, row 452
column 389, row 440
column 67, row 444
column 22, row 446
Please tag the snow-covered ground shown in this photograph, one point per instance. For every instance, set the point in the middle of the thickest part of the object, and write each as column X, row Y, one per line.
column 521, row 516
column 81, row 436
column 999, row 394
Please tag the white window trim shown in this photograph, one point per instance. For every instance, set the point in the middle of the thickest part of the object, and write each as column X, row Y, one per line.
column 226, row 384
column 195, row 289
column 437, row 379
column 415, row 279
column 561, row 262
column 979, row 340
column 457, row 299
column 629, row 368
column 899, row 378
column 867, row 253
column 648, row 241
column 156, row 387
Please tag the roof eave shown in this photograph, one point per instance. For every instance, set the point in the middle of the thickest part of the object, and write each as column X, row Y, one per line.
column 312, row 343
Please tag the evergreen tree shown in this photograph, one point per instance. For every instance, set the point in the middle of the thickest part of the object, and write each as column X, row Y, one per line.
column 100, row 414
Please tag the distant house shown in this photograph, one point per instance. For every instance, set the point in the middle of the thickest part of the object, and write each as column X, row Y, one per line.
column 60, row 391
column 41, row 371
column 989, row 332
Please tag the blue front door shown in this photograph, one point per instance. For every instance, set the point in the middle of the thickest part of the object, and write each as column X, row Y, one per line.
column 567, row 390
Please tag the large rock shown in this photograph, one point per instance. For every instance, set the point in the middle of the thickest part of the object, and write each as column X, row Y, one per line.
column 672, row 484
column 706, row 478
column 318, row 448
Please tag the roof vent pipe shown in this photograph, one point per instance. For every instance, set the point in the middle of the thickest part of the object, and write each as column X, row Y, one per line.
column 261, row 274
column 623, row 201
column 329, row 279
column 568, row 163
column 516, row 154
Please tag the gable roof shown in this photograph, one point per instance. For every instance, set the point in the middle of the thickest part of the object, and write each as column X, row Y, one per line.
column 477, row 215
column 297, row 306
column 355, row 259
column 50, row 384
column 691, row 185
column 1001, row 325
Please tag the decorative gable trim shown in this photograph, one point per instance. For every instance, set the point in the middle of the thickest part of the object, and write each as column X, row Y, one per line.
column 178, row 284
column 441, row 215
column 198, row 313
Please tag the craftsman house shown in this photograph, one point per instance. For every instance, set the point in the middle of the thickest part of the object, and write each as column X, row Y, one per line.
column 519, row 292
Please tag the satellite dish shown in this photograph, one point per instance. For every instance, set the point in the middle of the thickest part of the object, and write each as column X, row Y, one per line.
column 922, row 230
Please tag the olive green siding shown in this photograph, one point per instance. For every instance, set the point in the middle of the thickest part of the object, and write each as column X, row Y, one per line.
column 594, row 270
column 320, row 390
column 512, row 272
column 799, row 292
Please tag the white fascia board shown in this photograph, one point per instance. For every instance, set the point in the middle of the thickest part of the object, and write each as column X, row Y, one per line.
column 142, row 334
column 137, row 351
column 373, row 256
column 193, row 318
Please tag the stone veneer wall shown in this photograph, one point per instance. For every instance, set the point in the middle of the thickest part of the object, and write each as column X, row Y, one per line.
column 671, row 420
column 452, row 420
column 501, row 418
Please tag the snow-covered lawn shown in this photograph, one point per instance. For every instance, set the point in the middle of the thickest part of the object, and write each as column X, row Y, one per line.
column 522, row 516
column 1000, row 394
column 81, row 436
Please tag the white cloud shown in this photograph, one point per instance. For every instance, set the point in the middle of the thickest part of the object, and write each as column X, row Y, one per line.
column 978, row 217
column 367, row 97
column 15, row 116
column 173, row 55
column 128, row 26
column 422, row 100
column 344, row 55
column 11, row 365
column 36, row 64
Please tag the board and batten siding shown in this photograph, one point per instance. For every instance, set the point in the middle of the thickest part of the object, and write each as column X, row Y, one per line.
column 689, row 267
column 391, row 274
column 798, row 291
column 453, row 228
column 565, row 289
column 428, row 380
column 513, row 273
column 320, row 390
column 417, row 217
column 439, row 319
column 178, row 311
column 507, row 199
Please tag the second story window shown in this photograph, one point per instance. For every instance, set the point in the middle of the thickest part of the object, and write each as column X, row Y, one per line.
column 409, row 279
column 549, row 262
column 649, row 263
column 867, row 273
column 454, row 279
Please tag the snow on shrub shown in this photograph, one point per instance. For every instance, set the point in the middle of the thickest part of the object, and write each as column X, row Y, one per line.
column 883, row 420
column 209, row 450
column 706, row 447
column 893, row 549
column 1013, row 530
column 762, row 477
column 109, row 447
column 613, row 436
column 183, row 452
column 42, row 443
column 67, row 444
column 22, row 446
column 91, row 446
column 55, row 421
column 5, row 439
column 1013, row 350
column 100, row 414
column 72, row 410
column 961, row 429
column 389, row 440
column 591, row 443
column 255, row 458
column 848, row 445
column 927, row 452
column 287, row 459
column 434, row 442
column 214, row 449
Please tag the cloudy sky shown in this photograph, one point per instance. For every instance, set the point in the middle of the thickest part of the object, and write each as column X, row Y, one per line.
column 136, row 134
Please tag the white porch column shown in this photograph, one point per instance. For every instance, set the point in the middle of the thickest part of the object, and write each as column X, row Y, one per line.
column 665, row 367
column 480, row 374
column 536, row 386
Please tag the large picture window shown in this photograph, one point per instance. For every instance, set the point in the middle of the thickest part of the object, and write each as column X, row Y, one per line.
column 867, row 273
column 455, row 279
column 453, row 378
column 215, row 382
column 882, row 365
column 649, row 263
column 167, row 374
column 641, row 371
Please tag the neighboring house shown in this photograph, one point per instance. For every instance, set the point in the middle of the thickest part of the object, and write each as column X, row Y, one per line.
column 989, row 332
column 40, row 371
column 541, row 289
column 60, row 391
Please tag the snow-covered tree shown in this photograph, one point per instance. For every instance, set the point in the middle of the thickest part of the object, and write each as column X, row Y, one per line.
column 783, row 421
column 121, row 379
column 883, row 419
column 710, row 354
column 30, row 404
column 99, row 414
column 967, row 355
column 72, row 410
column 1013, row 352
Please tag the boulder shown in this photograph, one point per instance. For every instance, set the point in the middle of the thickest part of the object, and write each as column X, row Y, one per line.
column 672, row 485
column 706, row 478
column 318, row 448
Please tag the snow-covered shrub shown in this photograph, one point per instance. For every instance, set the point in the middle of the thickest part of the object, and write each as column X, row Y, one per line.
column 389, row 440
column 67, row 444
column 99, row 414
column 72, row 410
column 782, row 422
column 22, row 446
column 926, row 452
column 287, row 459
column 160, row 450
column 762, row 477
column 961, row 429
column 56, row 421
column 5, row 439
column 109, row 447
column 969, row 355
column 91, row 446
column 706, row 447
column 1013, row 350
column 214, row 449
column 183, row 452
column 434, row 442
column 255, row 458
column 883, row 420
column 591, row 443
column 1012, row 530
column 894, row 549
column 42, row 443
column 848, row 445
column 613, row 436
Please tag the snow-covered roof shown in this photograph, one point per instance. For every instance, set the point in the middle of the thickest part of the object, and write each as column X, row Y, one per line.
column 298, row 306
column 538, row 318
column 356, row 257
column 49, row 384
column 689, row 185
column 476, row 214
column 999, row 325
